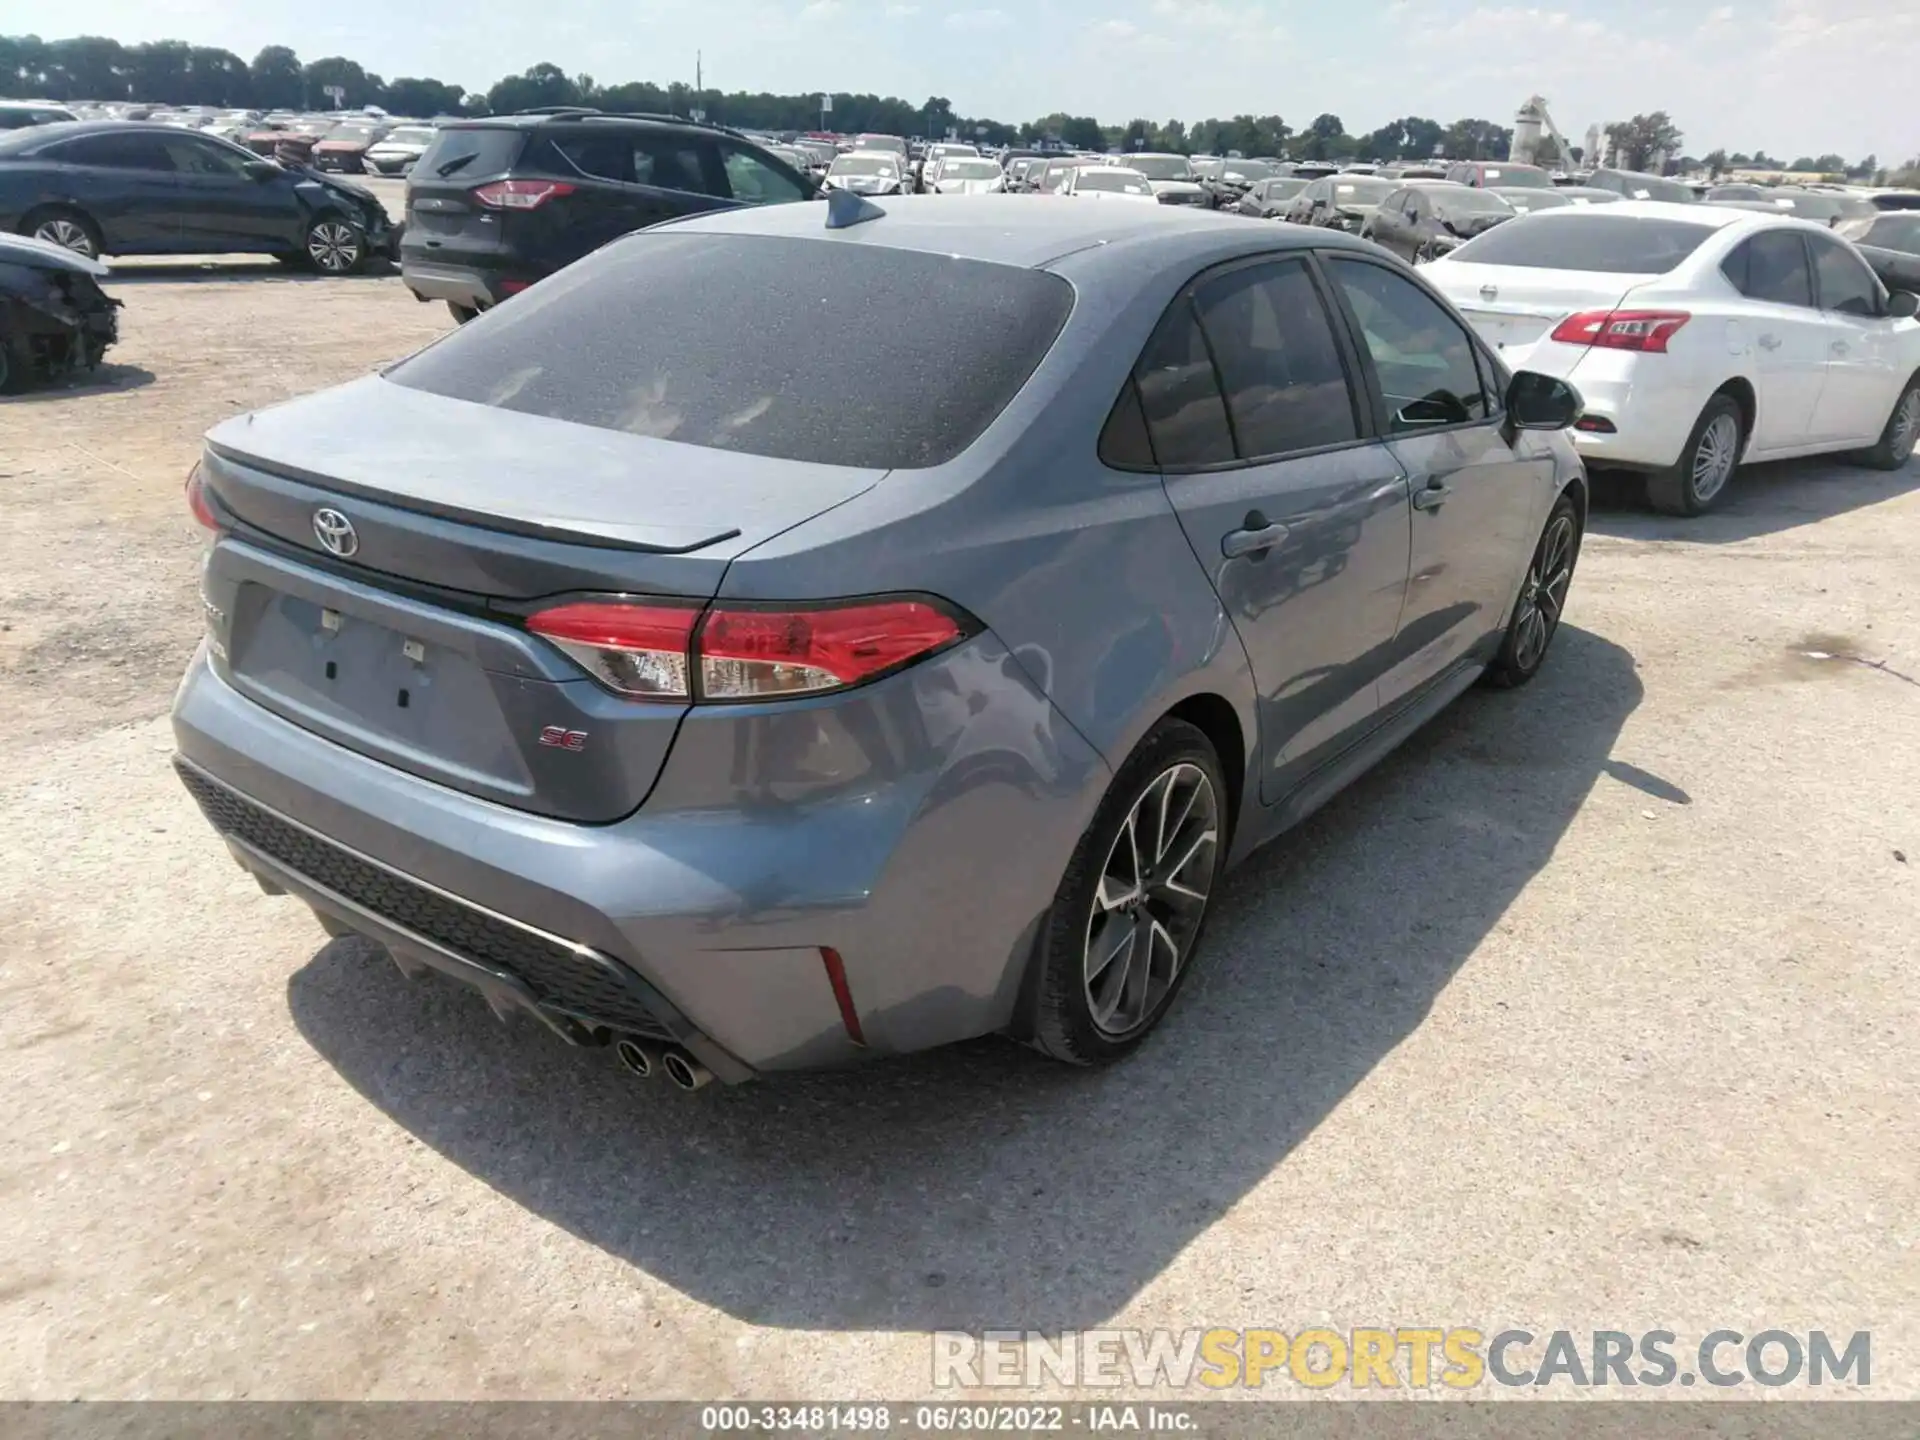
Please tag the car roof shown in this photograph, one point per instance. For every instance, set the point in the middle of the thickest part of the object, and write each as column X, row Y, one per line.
column 1720, row 216
column 1010, row 231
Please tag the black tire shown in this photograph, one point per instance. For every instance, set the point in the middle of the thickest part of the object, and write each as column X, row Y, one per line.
column 1897, row 437
column 15, row 371
column 1541, row 601
column 66, row 226
column 1064, row 1022
column 334, row 244
column 461, row 313
column 1682, row 488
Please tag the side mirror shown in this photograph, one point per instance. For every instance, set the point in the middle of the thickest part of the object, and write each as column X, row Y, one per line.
column 1542, row 402
column 261, row 169
column 1903, row 304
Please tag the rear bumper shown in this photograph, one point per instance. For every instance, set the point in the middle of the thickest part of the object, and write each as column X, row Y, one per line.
column 1652, row 408
column 917, row 831
column 466, row 285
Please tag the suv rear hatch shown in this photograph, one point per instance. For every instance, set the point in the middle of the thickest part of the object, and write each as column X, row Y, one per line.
column 411, row 647
column 442, row 213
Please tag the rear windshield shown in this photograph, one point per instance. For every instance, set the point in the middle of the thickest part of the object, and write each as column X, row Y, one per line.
column 1525, row 176
column 797, row 349
column 478, row 151
column 1590, row 240
column 1119, row 182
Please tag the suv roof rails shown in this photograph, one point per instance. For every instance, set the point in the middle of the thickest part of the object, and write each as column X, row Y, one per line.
column 558, row 110
column 665, row 120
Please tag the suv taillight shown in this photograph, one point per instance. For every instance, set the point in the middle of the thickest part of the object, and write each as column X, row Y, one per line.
column 665, row 651
column 1647, row 331
column 521, row 194
column 197, row 500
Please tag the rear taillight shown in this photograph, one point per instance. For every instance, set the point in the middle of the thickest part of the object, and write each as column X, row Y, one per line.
column 197, row 500
column 638, row 650
column 650, row 651
column 521, row 194
column 1647, row 331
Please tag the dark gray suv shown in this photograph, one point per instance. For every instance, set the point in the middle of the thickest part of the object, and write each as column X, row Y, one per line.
column 705, row 653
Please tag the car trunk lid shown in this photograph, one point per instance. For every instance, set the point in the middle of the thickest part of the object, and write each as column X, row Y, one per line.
column 1515, row 307
column 404, row 639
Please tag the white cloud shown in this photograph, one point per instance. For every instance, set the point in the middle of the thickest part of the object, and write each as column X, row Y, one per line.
column 977, row 20
column 821, row 9
column 900, row 12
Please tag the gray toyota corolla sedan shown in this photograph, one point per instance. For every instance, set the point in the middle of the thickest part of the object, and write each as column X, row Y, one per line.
column 705, row 654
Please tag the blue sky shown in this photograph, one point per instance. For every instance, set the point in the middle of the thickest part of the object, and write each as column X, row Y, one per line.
column 1790, row 76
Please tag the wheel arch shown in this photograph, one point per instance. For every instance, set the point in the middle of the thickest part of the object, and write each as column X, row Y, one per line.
column 1740, row 390
column 1214, row 716
column 36, row 213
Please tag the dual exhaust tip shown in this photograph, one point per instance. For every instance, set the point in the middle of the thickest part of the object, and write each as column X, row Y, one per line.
column 647, row 1061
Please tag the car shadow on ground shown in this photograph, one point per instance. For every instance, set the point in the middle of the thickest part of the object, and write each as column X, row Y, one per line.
column 1764, row 499
column 192, row 269
column 983, row 1185
column 105, row 379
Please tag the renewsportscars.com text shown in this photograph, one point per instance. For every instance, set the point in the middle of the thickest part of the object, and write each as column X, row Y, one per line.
column 1407, row 1357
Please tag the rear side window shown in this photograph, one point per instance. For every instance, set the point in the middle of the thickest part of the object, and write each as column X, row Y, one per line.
column 1771, row 266
column 138, row 151
column 806, row 350
column 1597, row 243
column 1181, row 394
column 1273, row 342
column 474, row 153
column 601, row 154
column 755, row 182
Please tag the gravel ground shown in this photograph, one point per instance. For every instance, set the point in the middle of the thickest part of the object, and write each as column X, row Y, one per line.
column 1590, row 1008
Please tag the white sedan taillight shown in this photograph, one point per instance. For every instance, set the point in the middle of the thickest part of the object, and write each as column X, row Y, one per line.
column 653, row 651
column 1646, row 331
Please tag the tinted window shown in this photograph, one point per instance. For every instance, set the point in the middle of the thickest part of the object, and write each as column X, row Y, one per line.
column 1273, row 343
column 756, row 182
column 1529, row 176
column 1897, row 230
column 1846, row 285
column 671, row 163
column 602, row 154
column 1123, row 442
column 1597, row 242
column 197, row 157
column 1771, row 266
column 1422, row 354
column 469, row 153
column 1181, row 394
column 797, row 349
column 122, row 152
column 1643, row 187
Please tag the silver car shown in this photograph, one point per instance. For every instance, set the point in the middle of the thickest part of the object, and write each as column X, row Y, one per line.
column 702, row 653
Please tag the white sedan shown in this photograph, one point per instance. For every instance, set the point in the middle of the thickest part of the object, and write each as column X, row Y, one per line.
column 1699, row 337
column 1109, row 182
column 964, row 175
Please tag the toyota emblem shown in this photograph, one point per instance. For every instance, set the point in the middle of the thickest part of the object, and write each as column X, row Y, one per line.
column 335, row 532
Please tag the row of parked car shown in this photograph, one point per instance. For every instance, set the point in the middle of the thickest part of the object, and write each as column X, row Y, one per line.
column 353, row 142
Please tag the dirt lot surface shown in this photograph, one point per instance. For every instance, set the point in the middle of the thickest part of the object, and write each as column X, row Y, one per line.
column 1594, row 1007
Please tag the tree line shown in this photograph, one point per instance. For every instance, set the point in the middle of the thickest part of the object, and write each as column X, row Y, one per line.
column 173, row 72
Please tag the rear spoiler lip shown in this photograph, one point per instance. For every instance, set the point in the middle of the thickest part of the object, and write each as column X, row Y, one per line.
column 485, row 520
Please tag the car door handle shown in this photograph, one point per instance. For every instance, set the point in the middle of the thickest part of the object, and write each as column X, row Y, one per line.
column 1840, row 347
column 1769, row 342
column 1431, row 497
column 1251, row 538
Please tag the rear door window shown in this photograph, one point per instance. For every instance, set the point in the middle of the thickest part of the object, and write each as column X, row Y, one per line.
column 1286, row 388
column 118, row 152
column 1180, row 393
column 797, row 349
column 671, row 162
column 1771, row 266
column 1423, row 356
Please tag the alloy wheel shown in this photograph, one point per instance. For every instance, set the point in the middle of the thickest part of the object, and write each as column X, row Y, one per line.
column 1151, row 898
column 1544, row 596
column 1715, row 457
column 1906, row 425
column 68, row 234
column 333, row 246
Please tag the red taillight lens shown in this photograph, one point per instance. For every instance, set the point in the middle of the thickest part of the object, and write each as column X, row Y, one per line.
column 756, row 654
column 521, row 194
column 638, row 650
column 197, row 500
column 655, row 651
column 1647, row 331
